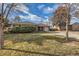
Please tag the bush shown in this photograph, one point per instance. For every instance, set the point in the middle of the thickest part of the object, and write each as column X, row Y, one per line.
column 27, row 29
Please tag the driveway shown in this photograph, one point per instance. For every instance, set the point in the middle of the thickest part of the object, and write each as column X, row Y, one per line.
column 73, row 34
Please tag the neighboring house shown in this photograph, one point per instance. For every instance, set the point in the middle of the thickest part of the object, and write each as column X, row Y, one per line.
column 61, row 28
column 75, row 26
column 42, row 27
column 39, row 27
column 56, row 28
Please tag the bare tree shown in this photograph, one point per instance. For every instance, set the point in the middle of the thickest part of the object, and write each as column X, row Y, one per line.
column 5, row 10
column 62, row 17
column 67, row 21
column 1, row 27
column 17, row 19
column 2, row 15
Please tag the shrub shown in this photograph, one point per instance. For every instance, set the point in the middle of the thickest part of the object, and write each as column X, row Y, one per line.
column 26, row 29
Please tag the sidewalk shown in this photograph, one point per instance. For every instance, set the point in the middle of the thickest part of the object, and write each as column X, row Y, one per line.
column 73, row 34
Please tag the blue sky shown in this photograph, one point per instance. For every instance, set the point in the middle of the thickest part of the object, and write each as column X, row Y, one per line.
column 38, row 12
column 42, row 10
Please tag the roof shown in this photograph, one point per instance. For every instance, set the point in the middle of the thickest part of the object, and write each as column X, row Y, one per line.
column 29, row 23
column 45, row 25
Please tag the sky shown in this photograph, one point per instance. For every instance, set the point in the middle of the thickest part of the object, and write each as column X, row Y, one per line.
column 38, row 12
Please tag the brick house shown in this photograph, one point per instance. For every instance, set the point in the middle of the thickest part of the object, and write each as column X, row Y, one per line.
column 39, row 27
column 42, row 27
column 61, row 28
column 75, row 26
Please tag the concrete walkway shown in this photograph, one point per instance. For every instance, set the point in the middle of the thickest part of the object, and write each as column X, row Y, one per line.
column 73, row 34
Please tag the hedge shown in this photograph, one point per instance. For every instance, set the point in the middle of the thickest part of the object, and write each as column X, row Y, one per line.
column 27, row 29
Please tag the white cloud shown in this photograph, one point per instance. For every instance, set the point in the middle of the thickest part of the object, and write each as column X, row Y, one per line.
column 41, row 6
column 35, row 18
column 46, row 17
column 48, row 10
column 32, row 17
column 73, row 20
column 22, row 8
column 24, row 17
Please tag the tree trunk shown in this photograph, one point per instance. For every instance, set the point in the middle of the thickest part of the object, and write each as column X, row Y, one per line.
column 1, row 37
column 67, row 21
column 67, row 30
column 1, row 27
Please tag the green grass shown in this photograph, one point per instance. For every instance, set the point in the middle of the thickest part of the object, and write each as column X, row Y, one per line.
column 29, row 44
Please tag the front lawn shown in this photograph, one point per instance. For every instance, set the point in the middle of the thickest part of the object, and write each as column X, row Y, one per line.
column 29, row 44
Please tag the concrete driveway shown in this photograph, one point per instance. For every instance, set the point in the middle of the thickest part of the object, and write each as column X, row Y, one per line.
column 73, row 34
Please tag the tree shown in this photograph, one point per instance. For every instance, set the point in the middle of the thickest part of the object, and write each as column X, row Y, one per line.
column 62, row 17
column 3, row 16
column 5, row 11
column 1, row 27
column 67, row 20
column 17, row 19
column 59, row 16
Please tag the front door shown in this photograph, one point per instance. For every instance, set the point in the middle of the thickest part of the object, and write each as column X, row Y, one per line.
column 40, row 28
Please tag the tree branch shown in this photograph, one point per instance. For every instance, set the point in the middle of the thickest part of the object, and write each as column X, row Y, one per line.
column 5, row 9
column 9, row 10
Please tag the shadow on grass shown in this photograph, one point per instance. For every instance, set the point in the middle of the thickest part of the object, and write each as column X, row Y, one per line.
column 46, row 54
column 60, row 38
column 39, row 39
